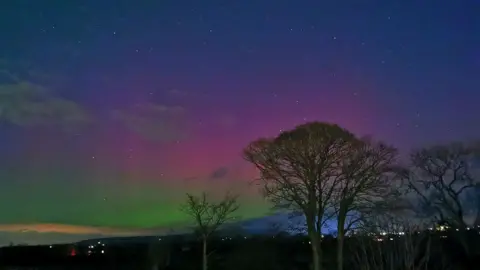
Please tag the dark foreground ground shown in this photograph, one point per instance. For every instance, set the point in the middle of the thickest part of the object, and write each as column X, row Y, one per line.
column 441, row 250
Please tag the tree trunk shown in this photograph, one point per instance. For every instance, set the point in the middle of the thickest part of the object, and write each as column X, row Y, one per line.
column 315, row 243
column 340, row 238
column 316, row 253
column 204, row 257
column 340, row 252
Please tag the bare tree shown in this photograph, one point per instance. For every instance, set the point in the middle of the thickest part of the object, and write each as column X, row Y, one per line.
column 440, row 177
column 366, row 186
column 299, row 172
column 209, row 216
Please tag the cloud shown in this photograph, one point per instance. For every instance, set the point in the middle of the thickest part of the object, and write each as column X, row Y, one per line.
column 42, row 234
column 219, row 173
column 25, row 104
column 35, row 238
column 155, row 122
column 76, row 229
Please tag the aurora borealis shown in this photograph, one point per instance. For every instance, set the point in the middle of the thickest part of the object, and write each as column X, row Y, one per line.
column 169, row 92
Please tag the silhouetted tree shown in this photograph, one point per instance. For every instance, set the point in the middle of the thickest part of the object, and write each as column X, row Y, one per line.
column 299, row 172
column 209, row 216
column 440, row 176
column 366, row 186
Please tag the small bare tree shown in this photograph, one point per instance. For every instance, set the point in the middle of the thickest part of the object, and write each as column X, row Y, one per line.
column 367, row 186
column 299, row 172
column 209, row 216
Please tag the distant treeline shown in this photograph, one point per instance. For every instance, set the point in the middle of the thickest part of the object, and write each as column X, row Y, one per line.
column 254, row 252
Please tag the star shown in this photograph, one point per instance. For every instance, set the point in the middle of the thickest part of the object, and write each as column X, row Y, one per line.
column 271, row 68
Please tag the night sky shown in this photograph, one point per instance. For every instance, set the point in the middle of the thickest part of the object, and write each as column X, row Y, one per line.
column 160, row 97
